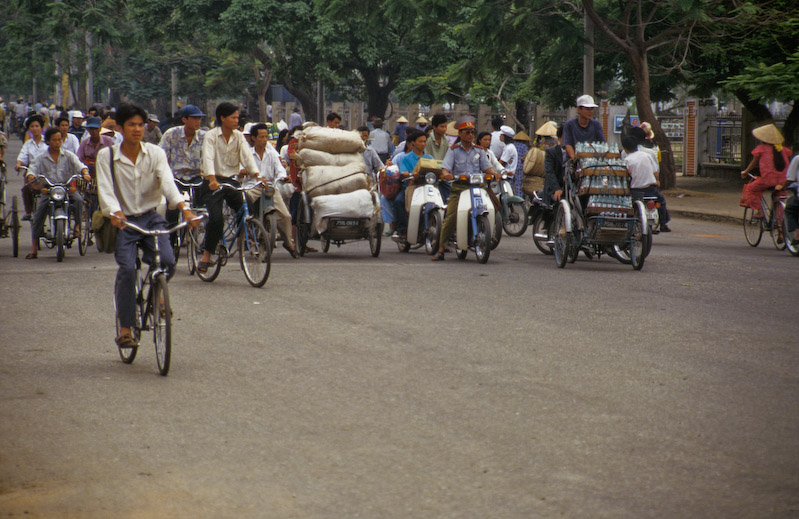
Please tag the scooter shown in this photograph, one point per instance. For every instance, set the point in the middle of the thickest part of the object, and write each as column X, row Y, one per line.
column 426, row 215
column 512, row 208
column 541, row 217
column 475, row 219
column 58, row 233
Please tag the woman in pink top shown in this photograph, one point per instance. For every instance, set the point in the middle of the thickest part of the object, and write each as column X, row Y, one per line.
column 772, row 160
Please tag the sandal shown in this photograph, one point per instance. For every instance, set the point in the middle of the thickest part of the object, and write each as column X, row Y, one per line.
column 202, row 266
column 438, row 257
column 293, row 252
column 32, row 255
column 126, row 340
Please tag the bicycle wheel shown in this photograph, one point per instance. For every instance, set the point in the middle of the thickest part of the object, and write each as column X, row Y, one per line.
column 161, row 319
column 788, row 236
column 753, row 227
column 254, row 252
column 517, row 219
column 542, row 233
column 636, row 247
column 199, row 244
column 14, row 227
column 128, row 354
column 375, row 239
column 775, row 229
column 270, row 224
column 562, row 238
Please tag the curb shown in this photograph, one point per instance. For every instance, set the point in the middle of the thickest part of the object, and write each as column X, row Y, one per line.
column 706, row 216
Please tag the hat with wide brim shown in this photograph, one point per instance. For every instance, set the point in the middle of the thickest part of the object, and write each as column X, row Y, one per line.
column 547, row 129
column 521, row 136
column 421, row 120
column 451, row 130
column 402, row 120
column 768, row 134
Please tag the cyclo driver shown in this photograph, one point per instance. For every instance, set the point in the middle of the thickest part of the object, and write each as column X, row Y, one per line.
column 464, row 158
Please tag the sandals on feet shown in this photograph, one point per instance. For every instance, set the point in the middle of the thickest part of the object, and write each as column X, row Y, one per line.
column 126, row 340
column 438, row 257
column 293, row 252
column 202, row 266
column 32, row 255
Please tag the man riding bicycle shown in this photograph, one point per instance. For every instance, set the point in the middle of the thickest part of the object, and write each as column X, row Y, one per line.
column 132, row 179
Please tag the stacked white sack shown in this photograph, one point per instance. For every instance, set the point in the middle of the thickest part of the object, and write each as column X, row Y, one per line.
column 358, row 204
column 332, row 161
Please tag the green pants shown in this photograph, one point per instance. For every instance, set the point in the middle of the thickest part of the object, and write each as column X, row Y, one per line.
column 451, row 218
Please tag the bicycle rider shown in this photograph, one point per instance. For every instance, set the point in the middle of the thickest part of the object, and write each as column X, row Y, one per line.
column 141, row 178
column 224, row 149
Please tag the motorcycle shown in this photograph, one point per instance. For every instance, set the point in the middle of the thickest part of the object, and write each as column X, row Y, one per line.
column 426, row 215
column 540, row 217
column 511, row 209
column 475, row 219
column 61, row 221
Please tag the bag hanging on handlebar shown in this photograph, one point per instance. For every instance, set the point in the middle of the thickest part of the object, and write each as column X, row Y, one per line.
column 105, row 234
column 390, row 183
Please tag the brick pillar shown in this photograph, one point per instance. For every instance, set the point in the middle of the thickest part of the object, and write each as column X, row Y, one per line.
column 689, row 145
column 605, row 115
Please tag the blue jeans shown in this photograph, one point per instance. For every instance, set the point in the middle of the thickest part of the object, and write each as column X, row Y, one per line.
column 400, row 216
column 387, row 208
column 125, row 255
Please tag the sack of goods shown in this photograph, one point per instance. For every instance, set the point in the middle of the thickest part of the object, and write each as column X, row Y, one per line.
column 309, row 157
column 334, row 180
column 357, row 204
column 331, row 140
column 534, row 163
column 390, row 182
column 531, row 183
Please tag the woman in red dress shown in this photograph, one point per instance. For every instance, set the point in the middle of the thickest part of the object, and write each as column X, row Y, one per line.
column 772, row 160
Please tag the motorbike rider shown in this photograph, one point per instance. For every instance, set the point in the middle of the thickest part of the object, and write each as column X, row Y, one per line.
column 463, row 158
column 57, row 165
column 418, row 141
column 643, row 168
column 32, row 148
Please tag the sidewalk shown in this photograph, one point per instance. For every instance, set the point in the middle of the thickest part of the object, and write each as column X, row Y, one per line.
column 706, row 198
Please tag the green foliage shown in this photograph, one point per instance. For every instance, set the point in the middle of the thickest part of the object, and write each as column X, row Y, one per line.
column 764, row 83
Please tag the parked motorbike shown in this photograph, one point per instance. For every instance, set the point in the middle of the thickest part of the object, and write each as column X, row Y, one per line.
column 60, row 220
column 541, row 216
column 475, row 219
column 512, row 209
column 426, row 215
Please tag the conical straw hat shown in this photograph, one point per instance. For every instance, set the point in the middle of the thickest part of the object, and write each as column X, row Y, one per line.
column 768, row 134
column 521, row 136
column 547, row 130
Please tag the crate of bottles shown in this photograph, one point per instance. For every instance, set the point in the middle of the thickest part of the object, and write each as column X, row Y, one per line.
column 613, row 206
column 603, row 185
column 602, row 167
column 596, row 150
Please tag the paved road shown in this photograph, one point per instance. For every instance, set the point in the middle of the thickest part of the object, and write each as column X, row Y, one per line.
column 394, row 388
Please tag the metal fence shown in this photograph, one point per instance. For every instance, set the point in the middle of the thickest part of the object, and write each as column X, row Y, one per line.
column 724, row 139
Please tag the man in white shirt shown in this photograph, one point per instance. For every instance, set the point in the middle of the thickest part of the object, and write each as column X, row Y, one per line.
column 643, row 168
column 510, row 155
column 32, row 148
column 132, row 179
column 224, row 149
column 496, row 143
column 71, row 143
column 271, row 171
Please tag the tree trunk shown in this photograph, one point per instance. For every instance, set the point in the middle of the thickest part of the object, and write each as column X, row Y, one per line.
column 523, row 116
column 376, row 94
column 638, row 59
column 307, row 100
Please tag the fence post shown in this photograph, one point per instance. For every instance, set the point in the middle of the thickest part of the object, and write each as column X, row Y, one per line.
column 690, row 141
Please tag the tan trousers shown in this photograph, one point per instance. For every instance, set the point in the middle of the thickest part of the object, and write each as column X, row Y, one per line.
column 281, row 212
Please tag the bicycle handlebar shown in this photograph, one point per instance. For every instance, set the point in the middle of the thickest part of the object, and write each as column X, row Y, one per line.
column 159, row 232
column 183, row 183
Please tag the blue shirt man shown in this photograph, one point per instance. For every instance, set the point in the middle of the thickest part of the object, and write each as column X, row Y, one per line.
column 583, row 128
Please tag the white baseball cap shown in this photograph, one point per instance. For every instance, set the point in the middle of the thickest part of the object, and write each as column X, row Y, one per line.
column 247, row 128
column 76, row 113
column 507, row 130
column 586, row 101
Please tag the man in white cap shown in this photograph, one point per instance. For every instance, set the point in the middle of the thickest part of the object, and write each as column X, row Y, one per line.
column 510, row 155
column 77, row 128
column 583, row 128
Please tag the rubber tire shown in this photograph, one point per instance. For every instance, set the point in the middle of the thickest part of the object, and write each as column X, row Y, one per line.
column 325, row 241
column 432, row 234
column 778, row 217
column 753, row 230
column 539, row 224
column 403, row 246
column 648, row 239
column 376, row 239
column 518, row 228
column 255, row 228
column 483, row 241
column 85, row 225
column 461, row 253
column 497, row 230
column 213, row 271
column 60, row 237
column 162, row 325
column 270, row 224
column 562, row 241
column 637, row 246
column 15, row 226
column 793, row 249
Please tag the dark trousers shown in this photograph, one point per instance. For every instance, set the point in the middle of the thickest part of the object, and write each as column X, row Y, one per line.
column 125, row 255
column 213, row 202
column 663, row 213
column 792, row 215
column 173, row 215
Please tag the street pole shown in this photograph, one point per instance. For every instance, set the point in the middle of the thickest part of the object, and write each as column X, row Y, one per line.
column 588, row 56
column 174, row 90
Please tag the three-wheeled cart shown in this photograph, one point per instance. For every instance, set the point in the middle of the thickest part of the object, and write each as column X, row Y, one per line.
column 596, row 213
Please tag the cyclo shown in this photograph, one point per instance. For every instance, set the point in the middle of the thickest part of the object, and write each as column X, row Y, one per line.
column 611, row 222
column 9, row 219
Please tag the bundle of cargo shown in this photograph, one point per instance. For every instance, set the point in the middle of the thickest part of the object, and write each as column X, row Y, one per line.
column 358, row 204
column 605, row 179
column 332, row 161
column 534, row 171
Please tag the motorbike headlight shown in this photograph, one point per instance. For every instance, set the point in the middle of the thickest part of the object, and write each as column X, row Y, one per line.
column 504, row 176
column 476, row 179
column 430, row 178
column 58, row 193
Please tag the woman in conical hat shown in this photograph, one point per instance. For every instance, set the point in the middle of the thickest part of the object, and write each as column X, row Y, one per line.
column 772, row 160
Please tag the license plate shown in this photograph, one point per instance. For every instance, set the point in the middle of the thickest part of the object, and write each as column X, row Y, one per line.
column 346, row 223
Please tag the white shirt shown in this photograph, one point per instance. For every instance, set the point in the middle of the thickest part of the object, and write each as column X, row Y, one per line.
column 222, row 159
column 493, row 160
column 497, row 146
column 30, row 150
column 141, row 186
column 642, row 167
column 510, row 156
column 71, row 143
column 793, row 171
column 269, row 166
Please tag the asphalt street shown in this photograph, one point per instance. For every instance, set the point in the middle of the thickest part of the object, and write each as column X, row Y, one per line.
column 394, row 387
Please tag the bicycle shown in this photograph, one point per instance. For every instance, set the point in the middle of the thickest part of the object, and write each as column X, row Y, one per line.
column 181, row 238
column 153, row 311
column 9, row 223
column 772, row 220
column 90, row 205
column 252, row 245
